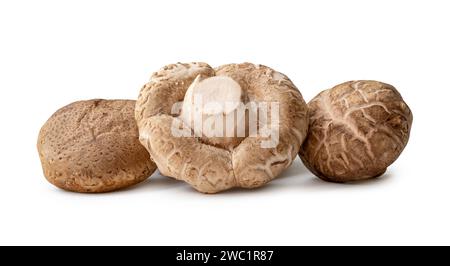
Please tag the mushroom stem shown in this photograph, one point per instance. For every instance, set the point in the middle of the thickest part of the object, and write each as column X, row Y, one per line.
column 214, row 108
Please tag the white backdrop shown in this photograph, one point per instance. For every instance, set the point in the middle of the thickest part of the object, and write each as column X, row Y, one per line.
column 56, row 52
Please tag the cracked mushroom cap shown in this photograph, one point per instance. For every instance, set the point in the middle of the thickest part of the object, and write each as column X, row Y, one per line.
column 93, row 146
column 356, row 130
column 203, row 163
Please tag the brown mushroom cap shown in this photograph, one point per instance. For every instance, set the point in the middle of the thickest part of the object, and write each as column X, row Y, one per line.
column 356, row 130
column 212, row 168
column 93, row 146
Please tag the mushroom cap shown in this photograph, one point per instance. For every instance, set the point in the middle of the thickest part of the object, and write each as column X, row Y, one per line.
column 211, row 168
column 356, row 130
column 93, row 146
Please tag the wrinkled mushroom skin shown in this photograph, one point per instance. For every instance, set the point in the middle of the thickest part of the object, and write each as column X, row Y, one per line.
column 356, row 130
column 166, row 87
column 211, row 168
column 205, row 167
column 92, row 146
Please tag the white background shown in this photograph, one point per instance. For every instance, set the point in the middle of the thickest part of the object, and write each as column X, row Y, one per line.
column 56, row 52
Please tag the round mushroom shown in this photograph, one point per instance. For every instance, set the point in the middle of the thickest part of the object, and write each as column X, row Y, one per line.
column 356, row 130
column 93, row 146
column 251, row 124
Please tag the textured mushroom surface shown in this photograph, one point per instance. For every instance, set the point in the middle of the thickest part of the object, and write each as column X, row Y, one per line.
column 211, row 165
column 93, row 146
column 357, row 129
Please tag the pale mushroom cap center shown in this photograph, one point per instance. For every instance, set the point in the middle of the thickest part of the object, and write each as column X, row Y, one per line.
column 219, row 94
column 214, row 107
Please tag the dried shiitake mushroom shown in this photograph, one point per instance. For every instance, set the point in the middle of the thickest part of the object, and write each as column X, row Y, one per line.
column 356, row 130
column 93, row 146
column 213, row 163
